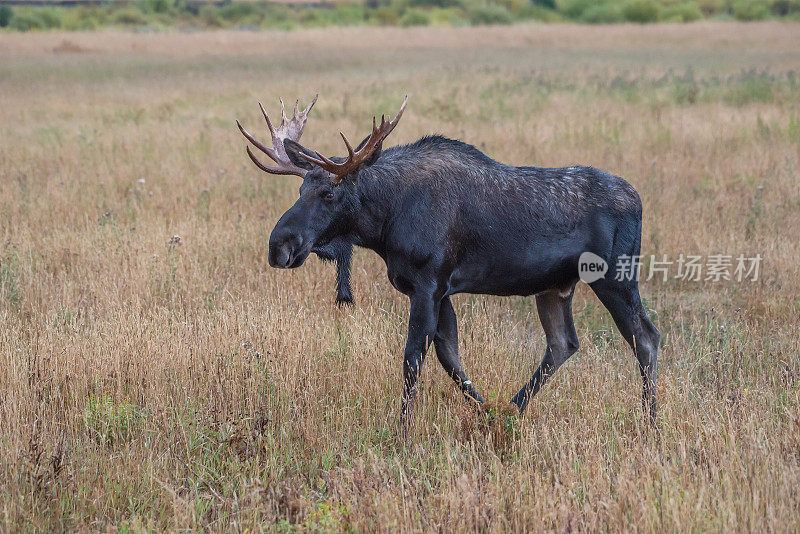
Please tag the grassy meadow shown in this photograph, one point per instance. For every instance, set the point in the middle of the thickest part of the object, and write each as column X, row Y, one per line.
column 154, row 382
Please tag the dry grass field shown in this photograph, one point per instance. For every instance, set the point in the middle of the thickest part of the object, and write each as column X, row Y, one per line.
column 150, row 384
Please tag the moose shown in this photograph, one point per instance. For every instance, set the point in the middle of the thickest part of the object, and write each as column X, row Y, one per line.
column 447, row 219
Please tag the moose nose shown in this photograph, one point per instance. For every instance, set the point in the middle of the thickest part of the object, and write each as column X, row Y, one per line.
column 282, row 251
column 280, row 255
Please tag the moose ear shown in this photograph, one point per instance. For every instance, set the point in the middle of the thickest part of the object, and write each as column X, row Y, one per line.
column 293, row 150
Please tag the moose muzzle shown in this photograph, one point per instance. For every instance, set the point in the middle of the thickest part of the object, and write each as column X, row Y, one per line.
column 287, row 250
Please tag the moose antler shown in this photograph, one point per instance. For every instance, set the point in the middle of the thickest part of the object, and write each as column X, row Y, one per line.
column 288, row 129
column 356, row 158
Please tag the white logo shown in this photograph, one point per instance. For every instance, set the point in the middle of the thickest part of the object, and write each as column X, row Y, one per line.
column 591, row 267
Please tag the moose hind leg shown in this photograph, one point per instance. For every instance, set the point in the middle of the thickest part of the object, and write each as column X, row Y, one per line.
column 555, row 313
column 446, row 343
column 625, row 305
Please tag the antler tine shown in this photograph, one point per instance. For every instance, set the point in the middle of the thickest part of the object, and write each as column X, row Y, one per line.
column 272, row 170
column 293, row 128
column 396, row 119
column 311, row 105
column 284, row 118
column 350, row 153
column 268, row 151
column 302, row 116
column 266, row 118
column 356, row 158
column 320, row 160
column 288, row 129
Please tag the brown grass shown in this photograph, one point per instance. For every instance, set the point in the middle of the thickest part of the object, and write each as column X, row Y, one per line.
column 151, row 384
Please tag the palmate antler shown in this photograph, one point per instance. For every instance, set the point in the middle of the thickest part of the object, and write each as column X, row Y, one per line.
column 288, row 129
column 356, row 158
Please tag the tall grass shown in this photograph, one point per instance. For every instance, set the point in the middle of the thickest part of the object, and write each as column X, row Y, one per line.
column 163, row 383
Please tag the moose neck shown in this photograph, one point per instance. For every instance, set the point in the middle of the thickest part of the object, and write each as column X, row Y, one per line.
column 378, row 190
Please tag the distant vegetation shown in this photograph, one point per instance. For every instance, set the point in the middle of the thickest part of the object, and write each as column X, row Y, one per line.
column 161, row 14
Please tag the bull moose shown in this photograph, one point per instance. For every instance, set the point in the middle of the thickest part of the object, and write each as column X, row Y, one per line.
column 447, row 219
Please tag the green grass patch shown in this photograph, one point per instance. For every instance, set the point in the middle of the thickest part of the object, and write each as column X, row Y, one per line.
column 109, row 421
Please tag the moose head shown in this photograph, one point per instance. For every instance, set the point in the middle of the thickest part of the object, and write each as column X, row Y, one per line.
column 315, row 222
column 328, row 202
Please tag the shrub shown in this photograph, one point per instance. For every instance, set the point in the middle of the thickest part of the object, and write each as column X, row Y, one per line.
column 210, row 17
column 73, row 23
column 278, row 24
column 687, row 12
column 534, row 12
column 386, row 16
column 415, row 17
column 603, row 14
column 312, row 17
column 275, row 15
column 5, row 16
column 489, row 14
column 432, row 3
column 35, row 18
column 129, row 16
column 187, row 7
column 514, row 6
column 24, row 22
column 574, row 9
column 448, row 17
column 641, row 11
column 252, row 12
column 750, row 10
column 710, row 7
column 785, row 7
column 50, row 17
column 83, row 18
column 235, row 12
column 346, row 14
column 155, row 6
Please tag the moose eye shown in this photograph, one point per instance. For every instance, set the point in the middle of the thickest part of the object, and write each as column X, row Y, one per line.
column 328, row 195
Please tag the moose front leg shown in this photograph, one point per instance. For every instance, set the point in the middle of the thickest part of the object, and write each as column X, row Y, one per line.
column 446, row 343
column 421, row 330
